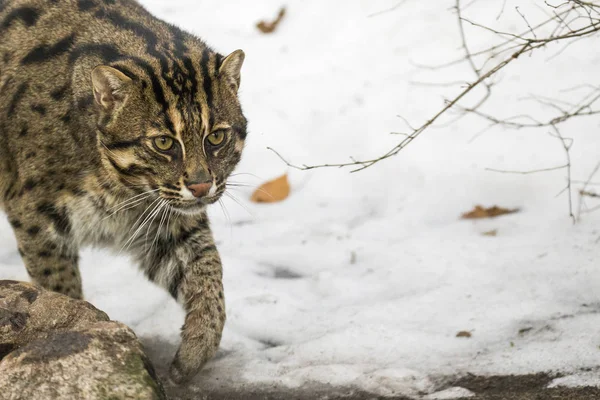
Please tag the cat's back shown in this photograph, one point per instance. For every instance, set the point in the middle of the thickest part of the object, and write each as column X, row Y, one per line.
column 50, row 35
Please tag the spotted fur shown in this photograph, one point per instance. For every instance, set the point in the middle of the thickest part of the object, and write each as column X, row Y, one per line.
column 88, row 91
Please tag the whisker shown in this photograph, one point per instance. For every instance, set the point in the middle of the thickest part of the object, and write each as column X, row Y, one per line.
column 125, row 208
column 168, row 226
column 232, row 197
column 227, row 216
column 128, row 206
column 236, row 185
column 147, row 193
column 239, row 184
column 149, row 218
column 141, row 217
column 246, row 173
column 162, row 220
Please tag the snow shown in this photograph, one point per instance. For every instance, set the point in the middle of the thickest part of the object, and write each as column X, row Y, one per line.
column 580, row 379
column 364, row 279
column 451, row 393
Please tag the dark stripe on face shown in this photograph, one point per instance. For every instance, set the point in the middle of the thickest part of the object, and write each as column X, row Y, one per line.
column 27, row 15
column 45, row 52
column 150, row 156
column 124, row 144
column 132, row 170
column 17, row 98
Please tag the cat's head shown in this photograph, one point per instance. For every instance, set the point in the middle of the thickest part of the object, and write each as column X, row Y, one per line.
column 179, row 133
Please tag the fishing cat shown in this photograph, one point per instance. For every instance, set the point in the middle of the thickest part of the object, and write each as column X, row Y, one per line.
column 118, row 129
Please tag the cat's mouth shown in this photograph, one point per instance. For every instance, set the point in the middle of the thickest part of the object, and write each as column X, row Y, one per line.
column 192, row 207
column 188, row 207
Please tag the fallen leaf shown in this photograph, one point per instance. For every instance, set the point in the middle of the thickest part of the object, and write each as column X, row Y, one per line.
column 464, row 334
column 269, row 27
column 272, row 191
column 491, row 212
column 493, row 232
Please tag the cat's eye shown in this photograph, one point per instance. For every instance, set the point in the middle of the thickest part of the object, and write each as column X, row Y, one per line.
column 164, row 143
column 216, row 138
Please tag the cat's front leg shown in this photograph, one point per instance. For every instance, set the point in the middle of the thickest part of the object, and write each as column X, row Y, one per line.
column 193, row 276
column 203, row 300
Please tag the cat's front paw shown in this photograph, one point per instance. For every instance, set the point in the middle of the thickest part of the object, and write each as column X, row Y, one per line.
column 192, row 354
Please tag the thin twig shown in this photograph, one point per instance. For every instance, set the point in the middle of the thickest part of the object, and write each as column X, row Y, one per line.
column 511, row 48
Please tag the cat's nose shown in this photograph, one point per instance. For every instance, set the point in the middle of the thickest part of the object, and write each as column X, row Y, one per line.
column 199, row 189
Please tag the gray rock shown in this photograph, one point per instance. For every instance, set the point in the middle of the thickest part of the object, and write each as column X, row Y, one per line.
column 52, row 346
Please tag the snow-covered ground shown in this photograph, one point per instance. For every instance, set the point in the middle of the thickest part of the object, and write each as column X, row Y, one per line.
column 365, row 279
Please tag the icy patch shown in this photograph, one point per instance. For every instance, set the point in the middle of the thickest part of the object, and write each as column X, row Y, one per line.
column 577, row 380
column 450, row 393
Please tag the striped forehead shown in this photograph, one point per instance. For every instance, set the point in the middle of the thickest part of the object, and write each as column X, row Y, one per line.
column 189, row 123
column 178, row 126
column 195, row 102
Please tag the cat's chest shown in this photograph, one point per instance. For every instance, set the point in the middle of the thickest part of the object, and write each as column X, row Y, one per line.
column 97, row 222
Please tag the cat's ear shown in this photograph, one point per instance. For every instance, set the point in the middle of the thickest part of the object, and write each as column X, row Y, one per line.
column 110, row 87
column 231, row 67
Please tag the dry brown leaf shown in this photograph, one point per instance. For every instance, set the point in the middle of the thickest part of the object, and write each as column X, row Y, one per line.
column 272, row 191
column 269, row 27
column 493, row 232
column 491, row 212
column 464, row 334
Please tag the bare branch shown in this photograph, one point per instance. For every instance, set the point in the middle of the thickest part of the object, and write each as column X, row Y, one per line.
column 566, row 22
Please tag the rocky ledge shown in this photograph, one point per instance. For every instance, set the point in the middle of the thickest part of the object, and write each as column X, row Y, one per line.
column 55, row 347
